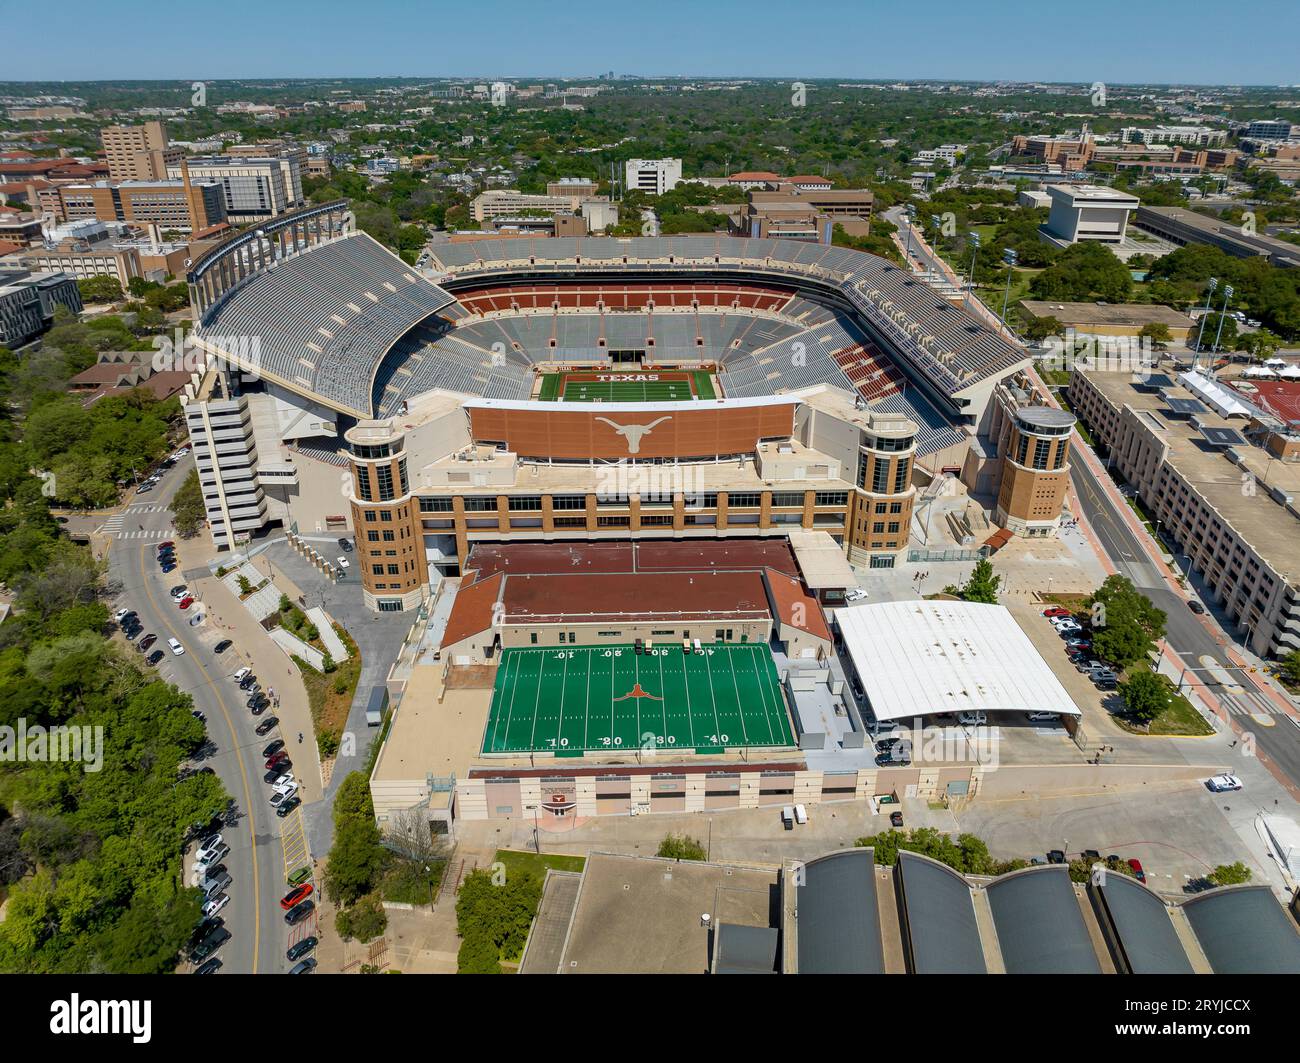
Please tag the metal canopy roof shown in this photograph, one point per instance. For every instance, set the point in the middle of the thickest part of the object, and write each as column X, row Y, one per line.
column 1040, row 927
column 839, row 921
column 1243, row 930
column 915, row 658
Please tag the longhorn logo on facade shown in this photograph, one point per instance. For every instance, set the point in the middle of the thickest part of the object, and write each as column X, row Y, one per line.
column 634, row 433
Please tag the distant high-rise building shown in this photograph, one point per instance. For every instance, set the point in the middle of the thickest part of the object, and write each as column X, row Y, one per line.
column 652, row 176
column 255, row 188
column 139, row 152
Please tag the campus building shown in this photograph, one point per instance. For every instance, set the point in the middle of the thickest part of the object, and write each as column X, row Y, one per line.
column 139, row 153
column 255, row 188
column 1205, row 464
column 654, row 177
column 1087, row 212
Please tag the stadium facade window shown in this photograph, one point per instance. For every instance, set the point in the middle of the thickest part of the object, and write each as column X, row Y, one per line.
column 744, row 500
column 1059, row 459
column 613, row 522
column 525, row 502
column 901, row 476
column 831, row 498
column 882, row 561
column 1022, row 451
column 570, row 522
column 435, row 505
column 880, row 477
column 370, row 451
column 895, row 507
column 363, row 484
column 388, row 535
column 1041, row 449
column 389, row 605
column 401, row 475
column 480, row 504
column 569, row 502
column 372, row 535
column 384, row 474
column 787, row 498
column 370, row 516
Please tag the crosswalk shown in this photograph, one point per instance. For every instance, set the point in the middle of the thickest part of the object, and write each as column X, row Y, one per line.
column 113, row 525
column 1250, row 703
column 147, row 533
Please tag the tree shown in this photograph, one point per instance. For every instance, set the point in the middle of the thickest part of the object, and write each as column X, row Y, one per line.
column 1040, row 328
column 1259, row 344
column 1146, row 695
column 1125, row 624
column 680, row 847
column 99, row 289
column 355, row 861
column 187, row 507
column 478, row 955
column 981, row 587
column 1290, row 667
column 1086, row 270
column 1220, row 331
column 1230, row 874
column 364, row 921
column 1157, row 333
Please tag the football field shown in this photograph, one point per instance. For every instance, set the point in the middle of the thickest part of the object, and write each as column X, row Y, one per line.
column 568, row 700
column 648, row 386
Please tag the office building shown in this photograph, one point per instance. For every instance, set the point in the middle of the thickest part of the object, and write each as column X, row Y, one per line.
column 654, row 177
column 1087, row 212
column 139, row 153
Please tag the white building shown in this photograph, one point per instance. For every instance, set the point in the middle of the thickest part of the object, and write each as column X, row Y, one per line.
column 1195, row 135
column 1087, row 212
column 944, row 153
column 652, row 176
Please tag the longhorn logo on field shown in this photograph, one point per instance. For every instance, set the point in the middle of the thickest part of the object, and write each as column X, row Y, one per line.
column 634, row 433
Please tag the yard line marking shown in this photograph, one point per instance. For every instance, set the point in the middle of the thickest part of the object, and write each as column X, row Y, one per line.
column 690, row 711
column 663, row 690
column 717, row 724
column 762, row 690
column 586, row 718
column 735, row 685
column 514, row 689
column 537, row 701
column 564, row 680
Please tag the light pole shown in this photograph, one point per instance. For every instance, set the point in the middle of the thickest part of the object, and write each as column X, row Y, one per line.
column 1011, row 258
column 974, row 250
column 1227, row 294
column 909, row 219
column 1214, row 283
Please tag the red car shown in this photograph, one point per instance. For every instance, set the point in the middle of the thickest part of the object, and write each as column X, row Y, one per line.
column 1136, row 865
column 294, row 896
column 1055, row 611
column 186, row 602
column 166, row 545
column 276, row 759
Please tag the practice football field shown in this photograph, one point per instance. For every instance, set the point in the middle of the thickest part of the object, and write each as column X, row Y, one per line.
column 567, row 700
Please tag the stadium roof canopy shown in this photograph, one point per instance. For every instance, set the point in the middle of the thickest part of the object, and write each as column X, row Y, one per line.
column 915, row 658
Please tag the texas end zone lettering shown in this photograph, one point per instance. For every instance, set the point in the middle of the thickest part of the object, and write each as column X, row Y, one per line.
column 627, row 378
column 77, row 1016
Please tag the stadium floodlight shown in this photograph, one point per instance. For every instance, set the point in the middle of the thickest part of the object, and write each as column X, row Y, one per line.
column 1011, row 258
column 1214, row 283
column 1227, row 295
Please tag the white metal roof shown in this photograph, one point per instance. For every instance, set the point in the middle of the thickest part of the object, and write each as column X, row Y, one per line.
column 1225, row 401
column 915, row 658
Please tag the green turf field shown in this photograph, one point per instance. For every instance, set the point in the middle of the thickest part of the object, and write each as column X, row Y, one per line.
column 564, row 387
column 568, row 700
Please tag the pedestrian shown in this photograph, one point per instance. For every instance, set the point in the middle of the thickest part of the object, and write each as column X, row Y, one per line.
column 300, row 738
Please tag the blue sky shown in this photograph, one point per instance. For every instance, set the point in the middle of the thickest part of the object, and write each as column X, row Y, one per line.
column 1249, row 42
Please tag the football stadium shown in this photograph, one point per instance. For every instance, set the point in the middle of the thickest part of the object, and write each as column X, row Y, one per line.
column 617, row 482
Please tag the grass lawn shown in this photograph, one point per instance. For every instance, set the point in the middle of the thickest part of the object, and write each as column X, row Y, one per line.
column 1072, row 602
column 516, row 860
column 330, row 695
column 1178, row 718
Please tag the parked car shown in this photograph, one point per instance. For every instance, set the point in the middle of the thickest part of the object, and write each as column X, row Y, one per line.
column 973, row 719
column 146, row 642
column 344, row 544
column 1055, row 856
column 273, row 748
column 1223, row 783
column 1055, row 612
column 122, row 614
column 855, row 595
column 209, row 945
column 178, row 592
column 217, row 885
column 211, row 967
column 1040, row 717
column 198, row 715
column 213, row 850
column 342, row 562
column 300, row 876
column 895, row 819
column 300, row 893
column 176, row 648
column 186, row 602
column 222, row 646
column 266, row 726
column 258, row 706
column 216, row 904
column 1196, row 607
column 287, row 806
column 300, row 949
column 168, row 568
column 305, row 967
column 276, row 758
column 155, row 657
column 166, row 544
column 1079, row 642
column 242, row 674
column 299, row 912
column 1136, row 865
column 279, row 797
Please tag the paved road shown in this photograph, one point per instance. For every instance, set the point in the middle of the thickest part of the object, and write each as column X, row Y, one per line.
column 256, row 861
column 1277, row 738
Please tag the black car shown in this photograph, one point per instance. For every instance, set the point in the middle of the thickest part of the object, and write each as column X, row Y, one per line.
column 273, row 774
column 344, row 544
column 285, row 807
column 258, row 707
column 305, row 967
column 299, row 912
column 894, row 758
column 266, row 726
column 1055, row 856
column 889, row 743
column 1196, row 607
column 248, row 681
column 222, row 646
column 205, row 928
column 177, row 589
column 298, row 951
column 273, row 748
column 147, row 641
column 210, row 944
column 211, row 967
column 198, row 715
column 154, row 657
column 895, row 819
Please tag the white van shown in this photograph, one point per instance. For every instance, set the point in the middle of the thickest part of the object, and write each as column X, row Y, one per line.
column 800, row 815
column 175, row 647
column 698, row 647
column 787, row 817
column 238, row 677
column 973, row 719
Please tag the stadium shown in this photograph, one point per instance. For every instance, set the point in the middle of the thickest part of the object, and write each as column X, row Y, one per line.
column 762, row 385
column 622, row 477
